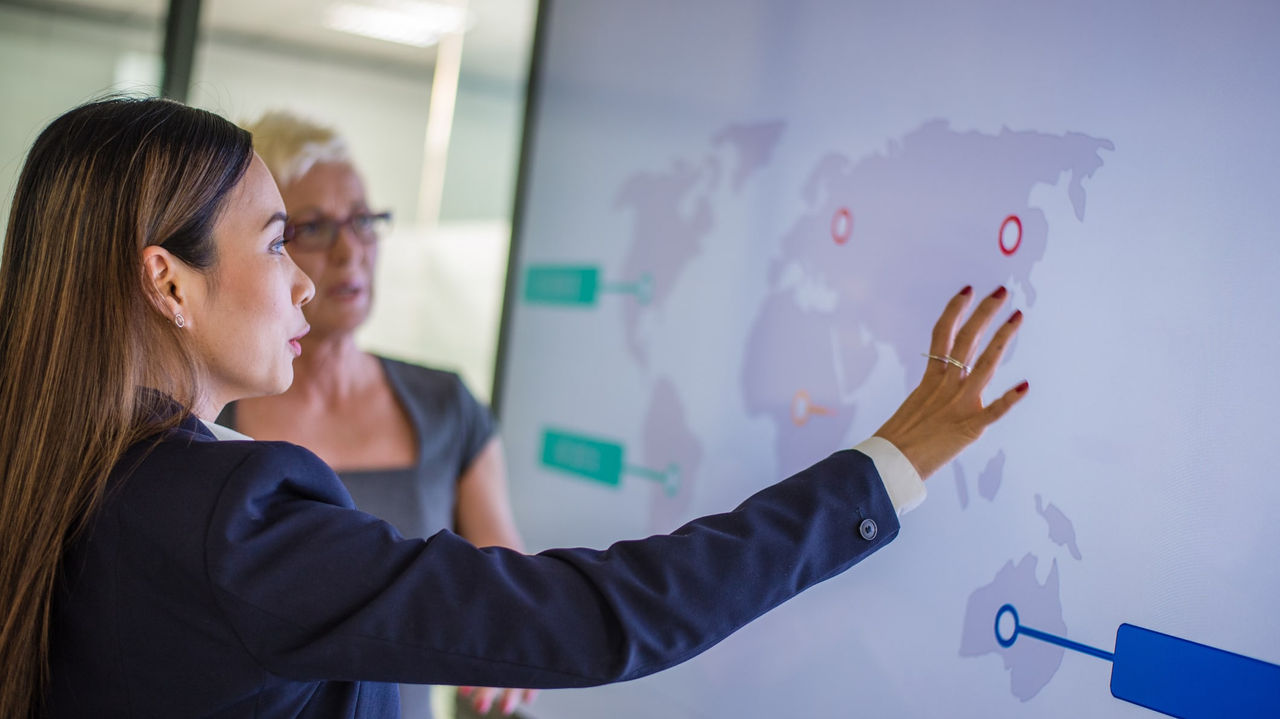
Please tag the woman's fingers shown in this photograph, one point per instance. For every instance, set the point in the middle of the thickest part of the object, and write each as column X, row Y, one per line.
column 967, row 338
column 510, row 700
column 986, row 365
column 513, row 698
column 485, row 699
column 945, row 329
column 482, row 698
column 944, row 413
column 994, row 411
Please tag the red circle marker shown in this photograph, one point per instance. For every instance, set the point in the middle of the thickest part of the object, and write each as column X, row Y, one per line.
column 842, row 225
column 800, row 408
column 1016, row 222
column 803, row 407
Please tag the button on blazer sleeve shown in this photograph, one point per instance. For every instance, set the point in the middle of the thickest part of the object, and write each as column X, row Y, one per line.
column 317, row 590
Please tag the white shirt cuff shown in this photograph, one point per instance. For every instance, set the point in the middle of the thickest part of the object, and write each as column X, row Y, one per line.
column 901, row 480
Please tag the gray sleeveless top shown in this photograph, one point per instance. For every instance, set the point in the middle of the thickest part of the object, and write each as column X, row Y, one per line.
column 451, row 427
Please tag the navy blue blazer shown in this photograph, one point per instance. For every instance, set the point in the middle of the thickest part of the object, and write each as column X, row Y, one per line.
column 235, row 579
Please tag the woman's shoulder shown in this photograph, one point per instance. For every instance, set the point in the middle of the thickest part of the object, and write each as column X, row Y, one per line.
column 419, row 373
column 427, row 384
column 189, row 464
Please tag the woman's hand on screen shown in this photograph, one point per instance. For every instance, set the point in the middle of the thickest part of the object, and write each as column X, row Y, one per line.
column 944, row 413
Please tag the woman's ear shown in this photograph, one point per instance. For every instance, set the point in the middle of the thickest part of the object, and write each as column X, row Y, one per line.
column 165, row 278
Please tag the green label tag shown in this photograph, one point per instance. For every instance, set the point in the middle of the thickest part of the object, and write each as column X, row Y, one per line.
column 562, row 285
column 595, row 459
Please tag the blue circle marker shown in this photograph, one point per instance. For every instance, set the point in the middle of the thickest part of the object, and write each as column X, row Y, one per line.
column 1006, row 643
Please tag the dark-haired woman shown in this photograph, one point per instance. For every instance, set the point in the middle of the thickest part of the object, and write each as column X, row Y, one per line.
column 148, row 569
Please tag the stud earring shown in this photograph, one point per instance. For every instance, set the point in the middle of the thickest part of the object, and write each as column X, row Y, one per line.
column 177, row 320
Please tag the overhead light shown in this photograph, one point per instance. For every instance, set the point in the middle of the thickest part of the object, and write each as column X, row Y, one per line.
column 408, row 22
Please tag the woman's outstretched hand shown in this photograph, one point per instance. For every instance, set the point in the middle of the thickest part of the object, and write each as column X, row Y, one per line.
column 944, row 414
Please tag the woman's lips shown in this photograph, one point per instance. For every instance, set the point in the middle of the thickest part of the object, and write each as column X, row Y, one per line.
column 345, row 292
column 295, row 344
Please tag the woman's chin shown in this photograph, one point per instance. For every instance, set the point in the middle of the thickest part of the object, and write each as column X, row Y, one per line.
column 277, row 384
column 284, row 384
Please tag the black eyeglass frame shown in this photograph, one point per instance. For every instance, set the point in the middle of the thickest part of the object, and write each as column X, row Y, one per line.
column 325, row 234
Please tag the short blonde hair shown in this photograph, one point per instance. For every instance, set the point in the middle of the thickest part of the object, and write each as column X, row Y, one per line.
column 291, row 144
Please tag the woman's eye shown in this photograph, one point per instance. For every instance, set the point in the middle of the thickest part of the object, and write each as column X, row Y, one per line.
column 277, row 247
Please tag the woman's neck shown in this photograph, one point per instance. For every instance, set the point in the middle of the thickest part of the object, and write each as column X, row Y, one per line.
column 330, row 369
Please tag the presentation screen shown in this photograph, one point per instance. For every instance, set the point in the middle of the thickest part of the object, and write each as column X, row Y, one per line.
column 739, row 222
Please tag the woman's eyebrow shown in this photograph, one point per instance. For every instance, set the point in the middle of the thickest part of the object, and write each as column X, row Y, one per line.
column 279, row 216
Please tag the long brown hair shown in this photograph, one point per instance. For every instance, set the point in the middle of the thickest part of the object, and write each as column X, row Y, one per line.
column 80, row 337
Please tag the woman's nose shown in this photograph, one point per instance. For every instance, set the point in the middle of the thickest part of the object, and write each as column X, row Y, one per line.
column 303, row 288
column 347, row 246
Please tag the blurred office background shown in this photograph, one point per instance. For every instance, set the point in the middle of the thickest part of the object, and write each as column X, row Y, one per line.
column 429, row 94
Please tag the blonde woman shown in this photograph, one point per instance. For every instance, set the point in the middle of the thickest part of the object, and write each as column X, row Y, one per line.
column 150, row 569
column 410, row 443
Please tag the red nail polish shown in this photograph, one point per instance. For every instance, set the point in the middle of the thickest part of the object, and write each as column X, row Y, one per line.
column 968, row 290
column 1016, row 316
column 1000, row 293
column 1022, row 387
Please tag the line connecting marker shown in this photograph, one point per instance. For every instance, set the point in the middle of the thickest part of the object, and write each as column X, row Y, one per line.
column 669, row 478
column 1019, row 629
column 642, row 288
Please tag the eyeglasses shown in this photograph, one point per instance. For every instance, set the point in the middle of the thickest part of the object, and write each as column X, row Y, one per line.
column 320, row 234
